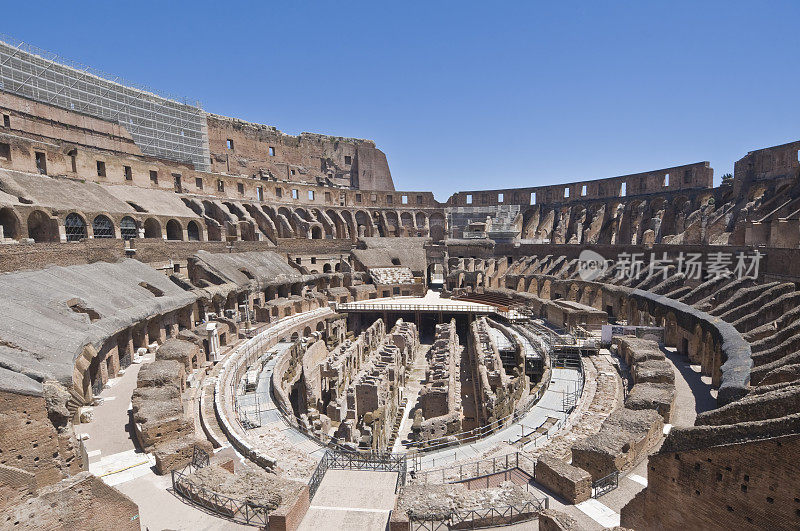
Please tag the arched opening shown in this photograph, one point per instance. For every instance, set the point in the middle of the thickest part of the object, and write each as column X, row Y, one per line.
column 316, row 233
column 363, row 224
column 127, row 228
column 174, row 230
column 326, row 268
column 41, row 227
column 307, row 331
column 10, row 224
column 407, row 221
column 437, row 226
column 74, row 227
column 338, row 267
column 102, row 227
column 192, row 231
column 392, row 224
column 152, row 228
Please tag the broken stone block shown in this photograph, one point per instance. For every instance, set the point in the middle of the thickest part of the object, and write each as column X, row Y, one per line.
column 570, row 482
column 659, row 397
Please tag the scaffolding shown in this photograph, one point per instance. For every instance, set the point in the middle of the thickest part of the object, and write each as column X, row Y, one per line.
column 161, row 126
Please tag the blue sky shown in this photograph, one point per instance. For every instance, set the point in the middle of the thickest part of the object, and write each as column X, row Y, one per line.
column 465, row 95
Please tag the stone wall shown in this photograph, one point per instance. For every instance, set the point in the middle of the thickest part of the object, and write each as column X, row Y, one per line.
column 35, row 452
column 570, row 482
column 746, row 485
column 239, row 147
column 698, row 175
column 82, row 501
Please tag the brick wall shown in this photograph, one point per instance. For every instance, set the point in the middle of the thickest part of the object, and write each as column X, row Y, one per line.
column 750, row 485
column 30, row 443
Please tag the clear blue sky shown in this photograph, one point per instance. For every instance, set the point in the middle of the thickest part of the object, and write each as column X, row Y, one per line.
column 465, row 95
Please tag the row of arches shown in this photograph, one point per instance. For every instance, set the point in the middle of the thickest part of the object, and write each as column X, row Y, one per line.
column 42, row 227
column 225, row 220
column 252, row 221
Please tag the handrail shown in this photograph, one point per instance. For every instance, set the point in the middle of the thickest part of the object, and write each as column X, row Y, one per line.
column 241, row 511
column 335, row 460
column 477, row 433
column 491, row 516
column 475, row 308
column 505, row 465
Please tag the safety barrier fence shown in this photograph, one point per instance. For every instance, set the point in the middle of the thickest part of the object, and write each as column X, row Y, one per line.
column 244, row 356
column 466, row 437
column 478, row 469
column 240, row 511
column 605, row 484
column 348, row 460
column 570, row 399
column 480, row 518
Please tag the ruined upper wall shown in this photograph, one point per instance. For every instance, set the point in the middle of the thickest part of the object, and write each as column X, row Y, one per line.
column 75, row 145
column 689, row 176
column 768, row 164
column 239, row 147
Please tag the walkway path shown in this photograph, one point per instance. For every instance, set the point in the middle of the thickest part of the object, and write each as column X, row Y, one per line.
column 414, row 379
column 298, row 453
column 114, row 457
column 352, row 499
column 550, row 405
column 693, row 395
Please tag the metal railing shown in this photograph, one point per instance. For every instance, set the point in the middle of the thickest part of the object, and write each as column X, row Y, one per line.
column 474, row 307
column 478, row 469
column 605, row 484
column 466, row 437
column 481, row 517
column 337, row 460
column 237, row 510
column 317, row 477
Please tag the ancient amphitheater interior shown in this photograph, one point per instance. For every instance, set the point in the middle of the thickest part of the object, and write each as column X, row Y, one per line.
column 210, row 324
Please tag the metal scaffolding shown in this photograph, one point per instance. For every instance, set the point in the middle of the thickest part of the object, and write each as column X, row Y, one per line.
column 163, row 127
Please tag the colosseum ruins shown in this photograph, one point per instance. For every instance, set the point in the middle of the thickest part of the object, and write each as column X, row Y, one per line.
column 208, row 323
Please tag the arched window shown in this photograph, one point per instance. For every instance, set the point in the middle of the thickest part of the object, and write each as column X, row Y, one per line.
column 152, row 228
column 326, row 268
column 75, row 227
column 192, row 230
column 10, row 223
column 127, row 228
column 174, row 230
column 41, row 228
column 102, row 227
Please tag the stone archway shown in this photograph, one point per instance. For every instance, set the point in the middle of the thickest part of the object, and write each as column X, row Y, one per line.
column 10, row 223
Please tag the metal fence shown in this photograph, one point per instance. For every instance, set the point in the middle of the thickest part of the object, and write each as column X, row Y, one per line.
column 605, row 485
column 478, row 469
column 466, row 437
column 482, row 517
column 350, row 460
column 241, row 511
